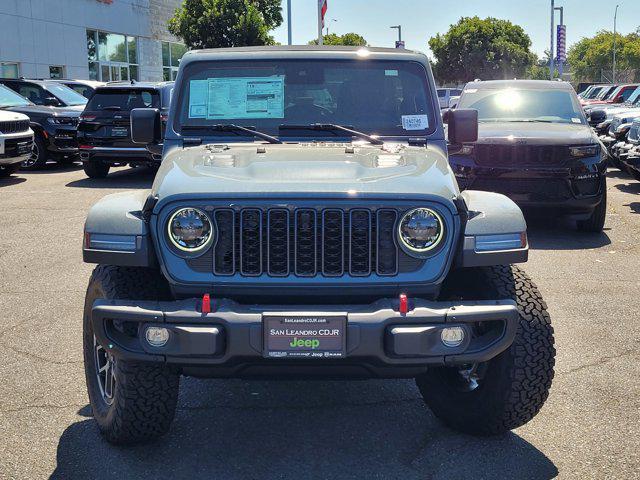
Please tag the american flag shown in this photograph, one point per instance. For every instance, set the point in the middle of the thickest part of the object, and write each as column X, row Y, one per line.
column 323, row 10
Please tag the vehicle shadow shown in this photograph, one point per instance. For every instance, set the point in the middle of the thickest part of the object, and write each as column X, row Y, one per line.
column 11, row 180
column 234, row 429
column 129, row 178
column 55, row 167
column 561, row 234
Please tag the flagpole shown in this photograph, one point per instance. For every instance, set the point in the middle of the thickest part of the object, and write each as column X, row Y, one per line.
column 319, row 2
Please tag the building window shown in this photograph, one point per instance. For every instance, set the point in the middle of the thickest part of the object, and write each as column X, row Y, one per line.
column 56, row 71
column 112, row 56
column 9, row 70
column 171, row 55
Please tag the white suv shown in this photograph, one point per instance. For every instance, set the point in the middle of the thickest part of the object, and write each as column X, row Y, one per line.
column 16, row 141
column 445, row 95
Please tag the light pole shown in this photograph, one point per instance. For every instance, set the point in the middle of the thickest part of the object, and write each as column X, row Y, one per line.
column 552, row 66
column 399, row 43
column 289, row 35
column 615, row 34
column 332, row 20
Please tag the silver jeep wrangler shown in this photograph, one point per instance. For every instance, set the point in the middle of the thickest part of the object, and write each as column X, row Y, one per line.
column 305, row 223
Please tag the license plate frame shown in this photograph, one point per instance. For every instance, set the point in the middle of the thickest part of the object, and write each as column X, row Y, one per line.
column 316, row 335
column 119, row 132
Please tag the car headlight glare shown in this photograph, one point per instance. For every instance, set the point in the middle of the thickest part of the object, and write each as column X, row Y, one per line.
column 420, row 231
column 190, row 230
column 587, row 151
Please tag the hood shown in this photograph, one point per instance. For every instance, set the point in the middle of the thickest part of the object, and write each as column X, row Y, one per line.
column 73, row 111
column 10, row 116
column 506, row 133
column 312, row 168
column 626, row 116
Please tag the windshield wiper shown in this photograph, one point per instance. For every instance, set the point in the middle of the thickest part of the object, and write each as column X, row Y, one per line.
column 330, row 127
column 115, row 108
column 230, row 127
column 531, row 120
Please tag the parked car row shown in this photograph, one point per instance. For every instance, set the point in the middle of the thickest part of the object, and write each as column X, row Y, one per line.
column 70, row 120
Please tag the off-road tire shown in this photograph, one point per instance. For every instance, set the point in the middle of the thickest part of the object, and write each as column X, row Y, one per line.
column 95, row 169
column 145, row 395
column 42, row 155
column 516, row 383
column 8, row 170
column 595, row 223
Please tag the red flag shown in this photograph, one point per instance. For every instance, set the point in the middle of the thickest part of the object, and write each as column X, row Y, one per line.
column 323, row 10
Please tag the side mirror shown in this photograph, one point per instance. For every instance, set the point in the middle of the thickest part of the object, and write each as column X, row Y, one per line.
column 463, row 125
column 51, row 102
column 597, row 116
column 145, row 126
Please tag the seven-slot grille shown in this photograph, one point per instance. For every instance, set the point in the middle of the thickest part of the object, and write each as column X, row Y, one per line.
column 305, row 242
column 14, row 126
column 521, row 155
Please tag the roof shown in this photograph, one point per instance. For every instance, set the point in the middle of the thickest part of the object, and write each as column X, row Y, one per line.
column 302, row 52
column 136, row 85
column 500, row 84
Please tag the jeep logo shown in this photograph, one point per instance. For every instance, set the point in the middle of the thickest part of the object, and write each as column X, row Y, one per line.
column 304, row 342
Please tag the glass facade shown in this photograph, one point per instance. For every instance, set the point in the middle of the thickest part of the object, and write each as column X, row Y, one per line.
column 56, row 71
column 112, row 56
column 9, row 70
column 171, row 55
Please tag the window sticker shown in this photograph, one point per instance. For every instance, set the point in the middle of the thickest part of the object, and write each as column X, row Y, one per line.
column 576, row 120
column 391, row 73
column 237, row 97
column 471, row 90
column 415, row 122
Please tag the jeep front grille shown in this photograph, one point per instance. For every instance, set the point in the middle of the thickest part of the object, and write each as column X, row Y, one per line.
column 14, row 126
column 305, row 242
column 517, row 156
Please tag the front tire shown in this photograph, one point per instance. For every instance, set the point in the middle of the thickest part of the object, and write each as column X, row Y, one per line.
column 595, row 223
column 8, row 170
column 131, row 402
column 95, row 169
column 509, row 390
column 39, row 155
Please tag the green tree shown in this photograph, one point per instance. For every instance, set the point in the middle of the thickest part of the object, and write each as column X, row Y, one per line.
column 226, row 23
column 349, row 39
column 481, row 48
column 591, row 56
column 540, row 69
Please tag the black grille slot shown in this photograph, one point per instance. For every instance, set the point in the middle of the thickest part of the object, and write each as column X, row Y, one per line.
column 251, row 242
column 332, row 243
column 278, row 242
column 224, row 256
column 14, row 126
column 360, row 243
column 516, row 156
column 305, row 242
column 306, row 251
column 387, row 251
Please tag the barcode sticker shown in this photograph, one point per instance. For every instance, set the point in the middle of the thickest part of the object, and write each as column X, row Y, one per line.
column 415, row 122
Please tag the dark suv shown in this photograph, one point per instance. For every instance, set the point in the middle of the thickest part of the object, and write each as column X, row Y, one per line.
column 54, row 129
column 536, row 147
column 104, row 136
column 50, row 93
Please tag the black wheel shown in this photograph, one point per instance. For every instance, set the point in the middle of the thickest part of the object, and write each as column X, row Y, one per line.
column 6, row 170
column 95, row 169
column 595, row 223
column 506, row 392
column 39, row 155
column 131, row 402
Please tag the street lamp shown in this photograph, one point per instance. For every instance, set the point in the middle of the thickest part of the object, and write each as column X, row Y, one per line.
column 615, row 32
column 399, row 28
column 332, row 20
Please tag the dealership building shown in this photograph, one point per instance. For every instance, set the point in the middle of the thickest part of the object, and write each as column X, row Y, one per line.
column 103, row 40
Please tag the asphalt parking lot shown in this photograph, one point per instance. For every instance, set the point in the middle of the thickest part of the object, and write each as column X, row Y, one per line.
column 232, row 429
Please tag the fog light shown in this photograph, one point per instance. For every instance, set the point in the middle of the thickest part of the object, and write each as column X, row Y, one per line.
column 157, row 336
column 452, row 336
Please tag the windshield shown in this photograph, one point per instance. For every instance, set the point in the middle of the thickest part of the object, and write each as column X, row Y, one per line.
column 530, row 104
column 9, row 98
column 123, row 99
column 65, row 94
column 635, row 97
column 386, row 98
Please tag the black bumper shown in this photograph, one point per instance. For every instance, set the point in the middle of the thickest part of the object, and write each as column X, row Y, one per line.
column 118, row 155
column 380, row 341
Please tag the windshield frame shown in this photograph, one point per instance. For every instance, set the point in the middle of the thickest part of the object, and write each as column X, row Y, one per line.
column 25, row 101
column 578, row 110
column 64, row 94
column 190, row 71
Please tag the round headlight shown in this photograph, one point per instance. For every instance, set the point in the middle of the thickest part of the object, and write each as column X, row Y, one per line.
column 420, row 230
column 190, row 229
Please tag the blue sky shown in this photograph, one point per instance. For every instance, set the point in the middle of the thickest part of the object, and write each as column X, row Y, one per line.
column 422, row 19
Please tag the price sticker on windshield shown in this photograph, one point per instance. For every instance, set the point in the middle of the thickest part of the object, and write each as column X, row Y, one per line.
column 415, row 122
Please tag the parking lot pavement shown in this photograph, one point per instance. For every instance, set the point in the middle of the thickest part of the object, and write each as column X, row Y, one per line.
column 232, row 429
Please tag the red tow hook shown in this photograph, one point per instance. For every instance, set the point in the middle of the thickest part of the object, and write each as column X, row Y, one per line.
column 206, row 303
column 404, row 304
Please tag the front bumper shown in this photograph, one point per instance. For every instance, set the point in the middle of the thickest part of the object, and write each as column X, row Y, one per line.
column 118, row 155
column 380, row 341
